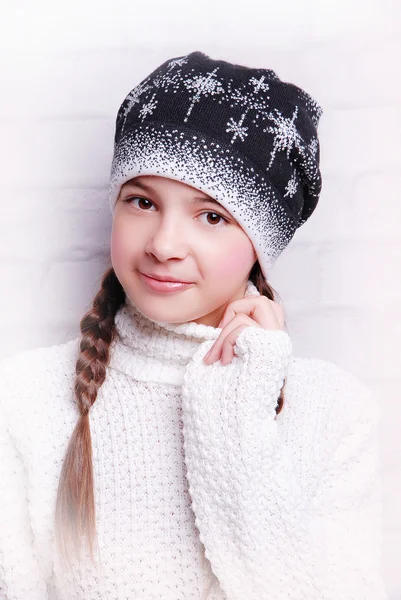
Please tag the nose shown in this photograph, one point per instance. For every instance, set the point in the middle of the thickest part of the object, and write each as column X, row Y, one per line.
column 167, row 239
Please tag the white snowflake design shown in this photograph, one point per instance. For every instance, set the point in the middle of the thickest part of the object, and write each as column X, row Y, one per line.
column 134, row 97
column 286, row 136
column 259, row 84
column 148, row 107
column 313, row 146
column 292, row 185
column 250, row 101
column 314, row 107
column 177, row 62
column 257, row 104
column 237, row 128
column 166, row 80
column 202, row 85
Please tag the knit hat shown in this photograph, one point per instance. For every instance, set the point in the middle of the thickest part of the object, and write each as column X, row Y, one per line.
column 239, row 134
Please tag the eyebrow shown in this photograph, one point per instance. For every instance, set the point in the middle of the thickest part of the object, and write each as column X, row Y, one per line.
column 195, row 200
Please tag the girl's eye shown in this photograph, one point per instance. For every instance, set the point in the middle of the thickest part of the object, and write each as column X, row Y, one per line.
column 213, row 224
column 129, row 200
column 215, row 215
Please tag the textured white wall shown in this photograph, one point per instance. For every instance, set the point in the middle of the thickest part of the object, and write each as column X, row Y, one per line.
column 64, row 72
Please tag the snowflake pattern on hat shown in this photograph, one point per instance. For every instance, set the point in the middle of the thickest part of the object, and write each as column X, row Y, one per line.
column 251, row 127
column 292, row 185
column 202, row 85
column 286, row 134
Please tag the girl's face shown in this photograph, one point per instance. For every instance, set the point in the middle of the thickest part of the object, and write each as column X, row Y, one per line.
column 166, row 227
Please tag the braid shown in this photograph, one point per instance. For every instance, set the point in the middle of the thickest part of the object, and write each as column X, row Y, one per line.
column 264, row 288
column 75, row 506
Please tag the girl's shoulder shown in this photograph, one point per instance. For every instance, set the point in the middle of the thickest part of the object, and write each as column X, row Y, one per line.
column 329, row 398
column 35, row 362
column 29, row 377
column 328, row 375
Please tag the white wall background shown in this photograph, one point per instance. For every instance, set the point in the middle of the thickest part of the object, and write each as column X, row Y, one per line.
column 65, row 69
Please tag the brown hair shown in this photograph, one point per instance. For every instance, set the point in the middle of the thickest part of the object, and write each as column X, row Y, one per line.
column 75, row 504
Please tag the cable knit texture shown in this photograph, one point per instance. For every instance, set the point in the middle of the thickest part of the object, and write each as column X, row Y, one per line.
column 190, row 459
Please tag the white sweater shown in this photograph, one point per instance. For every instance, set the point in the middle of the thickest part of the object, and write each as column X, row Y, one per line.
column 190, row 457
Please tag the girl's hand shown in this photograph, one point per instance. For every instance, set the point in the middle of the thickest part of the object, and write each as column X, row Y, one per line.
column 252, row 311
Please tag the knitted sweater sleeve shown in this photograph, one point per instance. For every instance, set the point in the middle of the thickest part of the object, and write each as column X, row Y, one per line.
column 20, row 577
column 261, row 532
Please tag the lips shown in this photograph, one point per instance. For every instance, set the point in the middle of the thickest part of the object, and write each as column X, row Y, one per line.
column 163, row 286
column 168, row 278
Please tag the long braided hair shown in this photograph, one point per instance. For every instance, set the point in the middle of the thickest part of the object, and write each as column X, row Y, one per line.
column 75, row 517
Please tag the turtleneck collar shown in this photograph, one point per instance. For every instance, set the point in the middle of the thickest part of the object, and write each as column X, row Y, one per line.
column 151, row 350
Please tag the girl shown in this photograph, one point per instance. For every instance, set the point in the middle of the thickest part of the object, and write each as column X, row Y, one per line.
column 177, row 449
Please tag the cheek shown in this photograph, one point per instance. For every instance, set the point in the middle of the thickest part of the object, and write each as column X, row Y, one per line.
column 237, row 259
column 118, row 249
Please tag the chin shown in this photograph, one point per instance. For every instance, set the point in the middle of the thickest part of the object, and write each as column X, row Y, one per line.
column 163, row 316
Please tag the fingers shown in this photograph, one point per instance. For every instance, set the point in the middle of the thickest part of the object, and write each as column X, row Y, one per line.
column 224, row 345
column 227, row 354
column 266, row 312
column 251, row 311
